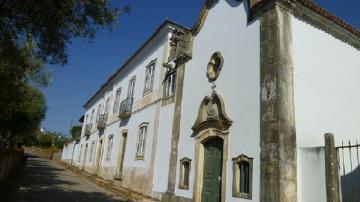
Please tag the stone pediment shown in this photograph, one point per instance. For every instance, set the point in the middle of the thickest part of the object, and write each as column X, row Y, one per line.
column 212, row 114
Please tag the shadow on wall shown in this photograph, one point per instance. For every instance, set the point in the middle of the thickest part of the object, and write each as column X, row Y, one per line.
column 40, row 182
column 350, row 186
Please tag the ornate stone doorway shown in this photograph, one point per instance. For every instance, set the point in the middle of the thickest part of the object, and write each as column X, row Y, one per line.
column 211, row 136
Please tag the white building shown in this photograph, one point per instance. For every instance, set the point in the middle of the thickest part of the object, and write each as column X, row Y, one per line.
column 234, row 109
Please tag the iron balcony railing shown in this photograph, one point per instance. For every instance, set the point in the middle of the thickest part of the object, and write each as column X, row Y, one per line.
column 102, row 121
column 126, row 108
column 87, row 129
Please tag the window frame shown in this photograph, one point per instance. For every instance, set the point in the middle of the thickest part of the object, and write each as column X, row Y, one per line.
column 237, row 179
column 141, row 141
column 80, row 151
column 116, row 106
column 92, row 119
column 109, row 149
column 99, row 110
column 131, row 87
column 169, row 83
column 149, row 79
column 92, row 151
column 182, row 180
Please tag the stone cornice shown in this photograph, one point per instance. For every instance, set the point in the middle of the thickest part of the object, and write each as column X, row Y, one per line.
column 312, row 14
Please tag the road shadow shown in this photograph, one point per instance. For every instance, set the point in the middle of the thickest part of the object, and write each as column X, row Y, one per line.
column 41, row 181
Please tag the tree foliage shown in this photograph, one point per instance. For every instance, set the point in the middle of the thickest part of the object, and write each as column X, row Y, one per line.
column 23, row 117
column 75, row 132
column 51, row 139
column 33, row 34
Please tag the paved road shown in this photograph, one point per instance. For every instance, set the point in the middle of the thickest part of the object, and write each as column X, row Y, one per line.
column 43, row 180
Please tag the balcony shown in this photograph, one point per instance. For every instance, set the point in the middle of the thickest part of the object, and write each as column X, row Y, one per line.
column 126, row 108
column 102, row 121
column 87, row 129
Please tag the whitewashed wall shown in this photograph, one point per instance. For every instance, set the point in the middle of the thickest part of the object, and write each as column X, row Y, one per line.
column 154, row 50
column 327, row 95
column 67, row 151
column 226, row 30
column 311, row 168
column 163, row 149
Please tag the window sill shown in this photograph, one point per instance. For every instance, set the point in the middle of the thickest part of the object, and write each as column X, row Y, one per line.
column 139, row 158
column 242, row 195
column 183, row 187
column 147, row 92
column 167, row 100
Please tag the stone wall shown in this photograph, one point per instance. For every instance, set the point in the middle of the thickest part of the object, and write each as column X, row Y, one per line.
column 9, row 160
column 49, row 153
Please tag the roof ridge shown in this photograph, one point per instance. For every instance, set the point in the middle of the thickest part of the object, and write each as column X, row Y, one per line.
column 129, row 60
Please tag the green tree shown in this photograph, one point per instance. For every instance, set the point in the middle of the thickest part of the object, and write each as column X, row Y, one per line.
column 28, row 110
column 75, row 132
column 45, row 140
column 33, row 34
column 51, row 139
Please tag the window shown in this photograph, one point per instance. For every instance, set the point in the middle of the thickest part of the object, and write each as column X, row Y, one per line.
column 92, row 151
column 79, row 157
column 169, row 83
column 92, row 118
column 109, row 147
column 107, row 106
column 242, row 177
column 140, row 150
column 117, row 101
column 86, row 124
column 185, row 165
column 149, row 77
column 98, row 113
column 86, row 120
column 131, row 87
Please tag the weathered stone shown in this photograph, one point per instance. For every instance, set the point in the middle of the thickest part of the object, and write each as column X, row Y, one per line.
column 278, row 137
column 331, row 170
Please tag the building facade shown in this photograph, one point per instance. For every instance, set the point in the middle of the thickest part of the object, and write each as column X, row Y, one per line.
column 233, row 109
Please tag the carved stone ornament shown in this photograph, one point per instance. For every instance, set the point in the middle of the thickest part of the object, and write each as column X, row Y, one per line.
column 180, row 45
column 214, row 66
column 212, row 114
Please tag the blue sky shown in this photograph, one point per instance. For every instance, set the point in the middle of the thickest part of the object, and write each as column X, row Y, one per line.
column 91, row 62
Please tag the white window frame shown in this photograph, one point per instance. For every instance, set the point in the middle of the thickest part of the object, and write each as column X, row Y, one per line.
column 169, row 83
column 98, row 113
column 92, row 151
column 109, row 147
column 131, row 87
column 117, row 101
column 141, row 142
column 149, row 77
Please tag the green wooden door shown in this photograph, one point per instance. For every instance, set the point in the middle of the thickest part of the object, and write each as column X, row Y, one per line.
column 211, row 191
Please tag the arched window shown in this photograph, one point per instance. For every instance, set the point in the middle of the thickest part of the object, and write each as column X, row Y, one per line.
column 242, row 177
column 140, row 149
